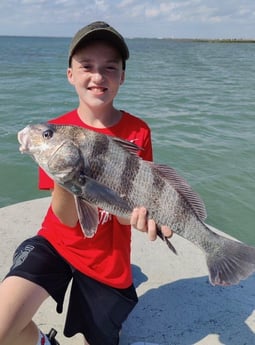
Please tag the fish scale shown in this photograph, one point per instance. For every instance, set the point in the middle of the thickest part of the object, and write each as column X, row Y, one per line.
column 104, row 172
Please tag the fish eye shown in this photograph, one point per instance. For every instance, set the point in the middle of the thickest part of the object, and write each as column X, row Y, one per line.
column 47, row 134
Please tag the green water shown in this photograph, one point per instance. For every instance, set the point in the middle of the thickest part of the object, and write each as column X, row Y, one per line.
column 198, row 98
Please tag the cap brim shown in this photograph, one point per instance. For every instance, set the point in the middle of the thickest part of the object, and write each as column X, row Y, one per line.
column 104, row 35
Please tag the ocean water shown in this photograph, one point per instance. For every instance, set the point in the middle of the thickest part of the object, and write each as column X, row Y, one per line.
column 197, row 97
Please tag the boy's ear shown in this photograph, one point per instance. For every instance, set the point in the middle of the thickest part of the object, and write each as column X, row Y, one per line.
column 122, row 79
column 69, row 74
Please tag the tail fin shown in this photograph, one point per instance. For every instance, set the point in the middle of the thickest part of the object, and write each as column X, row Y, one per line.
column 233, row 262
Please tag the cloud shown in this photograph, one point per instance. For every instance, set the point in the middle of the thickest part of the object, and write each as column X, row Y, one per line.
column 147, row 9
column 132, row 17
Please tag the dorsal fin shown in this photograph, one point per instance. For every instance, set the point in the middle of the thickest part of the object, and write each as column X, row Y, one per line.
column 127, row 145
column 182, row 187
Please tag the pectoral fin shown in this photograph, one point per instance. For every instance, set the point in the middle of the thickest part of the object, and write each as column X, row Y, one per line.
column 88, row 217
column 93, row 195
column 100, row 195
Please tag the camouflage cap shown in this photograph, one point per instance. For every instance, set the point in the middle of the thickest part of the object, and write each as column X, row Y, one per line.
column 99, row 31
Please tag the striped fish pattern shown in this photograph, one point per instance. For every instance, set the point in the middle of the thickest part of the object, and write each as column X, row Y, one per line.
column 105, row 172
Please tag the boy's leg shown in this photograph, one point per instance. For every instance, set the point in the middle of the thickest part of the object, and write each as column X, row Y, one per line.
column 97, row 310
column 37, row 272
column 20, row 299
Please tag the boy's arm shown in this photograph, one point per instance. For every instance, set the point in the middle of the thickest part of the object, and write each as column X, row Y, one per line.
column 63, row 206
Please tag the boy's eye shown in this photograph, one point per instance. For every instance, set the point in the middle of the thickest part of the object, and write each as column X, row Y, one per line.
column 89, row 67
column 111, row 68
column 86, row 66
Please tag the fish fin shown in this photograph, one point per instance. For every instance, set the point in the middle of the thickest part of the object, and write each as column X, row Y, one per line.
column 165, row 239
column 88, row 217
column 234, row 261
column 96, row 192
column 127, row 145
column 182, row 186
column 170, row 246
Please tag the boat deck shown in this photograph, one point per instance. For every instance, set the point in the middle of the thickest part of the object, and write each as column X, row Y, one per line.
column 177, row 305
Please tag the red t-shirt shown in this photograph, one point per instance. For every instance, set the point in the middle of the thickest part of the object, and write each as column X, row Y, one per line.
column 106, row 256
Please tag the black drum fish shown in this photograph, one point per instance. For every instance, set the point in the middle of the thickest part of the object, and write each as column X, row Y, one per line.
column 105, row 172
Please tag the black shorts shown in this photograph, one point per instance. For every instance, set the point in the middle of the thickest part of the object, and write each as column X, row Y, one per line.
column 95, row 309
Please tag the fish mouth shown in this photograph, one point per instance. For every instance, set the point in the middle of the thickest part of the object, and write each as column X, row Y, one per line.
column 23, row 139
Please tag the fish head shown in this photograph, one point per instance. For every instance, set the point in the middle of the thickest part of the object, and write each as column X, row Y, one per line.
column 54, row 149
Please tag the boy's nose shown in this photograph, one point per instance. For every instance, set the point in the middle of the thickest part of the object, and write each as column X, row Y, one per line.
column 98, row 76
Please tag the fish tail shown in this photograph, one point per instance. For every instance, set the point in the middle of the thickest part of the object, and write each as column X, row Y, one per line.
column 234, row 261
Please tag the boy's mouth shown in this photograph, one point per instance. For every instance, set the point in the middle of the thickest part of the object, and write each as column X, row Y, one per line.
column 97, row 89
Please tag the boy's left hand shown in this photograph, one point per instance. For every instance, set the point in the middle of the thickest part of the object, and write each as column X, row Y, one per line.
column 139, row 221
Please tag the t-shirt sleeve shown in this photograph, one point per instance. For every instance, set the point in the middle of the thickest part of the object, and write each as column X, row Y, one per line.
column 147, row 153
column 44, row 181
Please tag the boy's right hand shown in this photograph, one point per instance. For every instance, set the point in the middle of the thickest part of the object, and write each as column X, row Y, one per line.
column 139, row 221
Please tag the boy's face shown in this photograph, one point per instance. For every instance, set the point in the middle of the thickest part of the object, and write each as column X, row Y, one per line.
column 96, row 73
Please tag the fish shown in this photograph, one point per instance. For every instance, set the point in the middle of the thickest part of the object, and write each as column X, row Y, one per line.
column 105, row 172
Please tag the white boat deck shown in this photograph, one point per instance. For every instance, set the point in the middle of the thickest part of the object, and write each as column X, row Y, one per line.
column 177, row 305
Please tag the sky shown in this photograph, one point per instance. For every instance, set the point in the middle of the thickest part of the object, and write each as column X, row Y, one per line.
column 133, row 18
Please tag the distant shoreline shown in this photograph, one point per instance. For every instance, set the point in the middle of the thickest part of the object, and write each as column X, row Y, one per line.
column 208, row 40
column 217, row 40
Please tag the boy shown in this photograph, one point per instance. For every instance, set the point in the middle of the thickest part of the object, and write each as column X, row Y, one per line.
column 102, row 294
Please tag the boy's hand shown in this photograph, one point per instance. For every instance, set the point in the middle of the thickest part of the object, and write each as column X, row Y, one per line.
column 139, row 221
